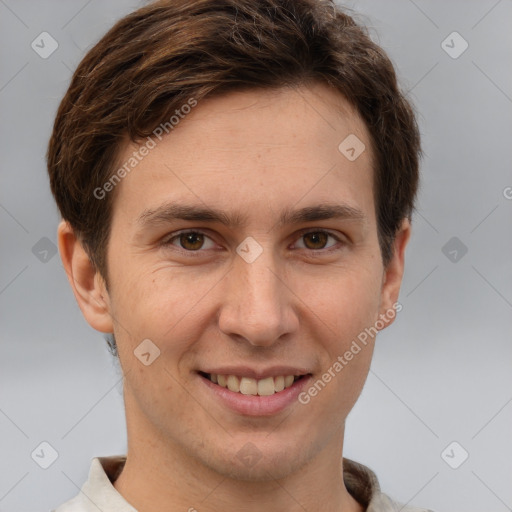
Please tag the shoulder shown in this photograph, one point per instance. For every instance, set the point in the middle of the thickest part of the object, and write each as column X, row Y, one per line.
column 363, row 484
column 74, row 505
column 98, row 492
column 383, row 503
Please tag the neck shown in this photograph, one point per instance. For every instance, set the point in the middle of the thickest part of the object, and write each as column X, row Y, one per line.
column 159, row 474
column 156, row 479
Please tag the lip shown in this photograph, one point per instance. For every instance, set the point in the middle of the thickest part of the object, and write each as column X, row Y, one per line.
column 255, row 405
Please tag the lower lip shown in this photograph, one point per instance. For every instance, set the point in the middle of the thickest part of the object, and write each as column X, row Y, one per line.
column 255, row 405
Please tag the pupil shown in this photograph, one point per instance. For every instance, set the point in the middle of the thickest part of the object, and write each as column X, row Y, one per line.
column 187, row 240
column 317, row 238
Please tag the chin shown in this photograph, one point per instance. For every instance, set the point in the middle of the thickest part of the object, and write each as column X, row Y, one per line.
column 265, row 470
column 261, row 462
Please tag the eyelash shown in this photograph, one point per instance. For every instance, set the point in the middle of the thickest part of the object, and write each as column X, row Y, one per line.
column 168, row 241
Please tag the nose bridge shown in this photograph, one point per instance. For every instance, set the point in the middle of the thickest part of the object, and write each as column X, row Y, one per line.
column 257, row 305
column 262, row 287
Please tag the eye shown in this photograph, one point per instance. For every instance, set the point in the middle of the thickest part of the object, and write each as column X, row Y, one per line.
column 193, row 241
column 190, row 241
column 317, row 240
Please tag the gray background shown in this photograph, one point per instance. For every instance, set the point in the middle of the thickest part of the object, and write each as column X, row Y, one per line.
column 441, row 373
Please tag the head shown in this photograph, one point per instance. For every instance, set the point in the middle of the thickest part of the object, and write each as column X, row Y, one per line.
column 238, row 107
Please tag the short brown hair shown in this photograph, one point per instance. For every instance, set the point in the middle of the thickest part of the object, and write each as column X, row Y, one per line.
column 157, row 58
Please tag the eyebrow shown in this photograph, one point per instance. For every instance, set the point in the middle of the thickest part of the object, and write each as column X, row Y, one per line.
column 169, row 212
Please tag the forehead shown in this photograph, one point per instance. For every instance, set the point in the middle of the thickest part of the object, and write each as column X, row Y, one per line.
column 261, row 151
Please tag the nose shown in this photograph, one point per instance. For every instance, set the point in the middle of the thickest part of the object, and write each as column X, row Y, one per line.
column 258, row 304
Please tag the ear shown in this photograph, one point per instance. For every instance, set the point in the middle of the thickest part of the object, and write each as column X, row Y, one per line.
column 393, row 273
column 86, row 282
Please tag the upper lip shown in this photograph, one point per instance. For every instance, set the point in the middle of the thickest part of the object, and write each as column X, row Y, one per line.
column 258, row 374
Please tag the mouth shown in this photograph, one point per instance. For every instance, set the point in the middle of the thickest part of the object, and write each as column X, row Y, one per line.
column 251, row 386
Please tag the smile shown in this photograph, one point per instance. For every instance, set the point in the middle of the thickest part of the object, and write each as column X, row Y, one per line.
column 250, row 386
column 251, row 392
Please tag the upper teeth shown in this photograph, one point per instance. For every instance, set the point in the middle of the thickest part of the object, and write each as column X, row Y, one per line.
column 249, row 386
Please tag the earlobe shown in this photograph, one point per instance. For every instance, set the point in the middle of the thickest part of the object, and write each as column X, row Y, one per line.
column 86, row 282
column 393, row 273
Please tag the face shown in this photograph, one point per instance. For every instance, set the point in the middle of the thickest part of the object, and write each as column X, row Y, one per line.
column 245, row 245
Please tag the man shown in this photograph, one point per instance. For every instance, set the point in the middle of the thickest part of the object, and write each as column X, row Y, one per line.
column 236, row 180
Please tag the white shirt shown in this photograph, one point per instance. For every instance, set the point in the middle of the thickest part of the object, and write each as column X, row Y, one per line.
column 99, row 493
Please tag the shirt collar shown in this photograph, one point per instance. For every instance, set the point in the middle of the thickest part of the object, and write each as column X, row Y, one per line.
column 99, row 492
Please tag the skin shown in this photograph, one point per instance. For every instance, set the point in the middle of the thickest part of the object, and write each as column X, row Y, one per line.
column 256, row 152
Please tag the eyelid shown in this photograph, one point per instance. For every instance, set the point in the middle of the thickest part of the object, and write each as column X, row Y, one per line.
column 337, row 237
column 168, row 239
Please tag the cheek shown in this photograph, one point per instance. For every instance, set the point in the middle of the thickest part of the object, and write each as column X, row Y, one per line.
column 347, row 349
column 167, row 305
column 359, row 311
column 350, row 348
column 345, row 302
